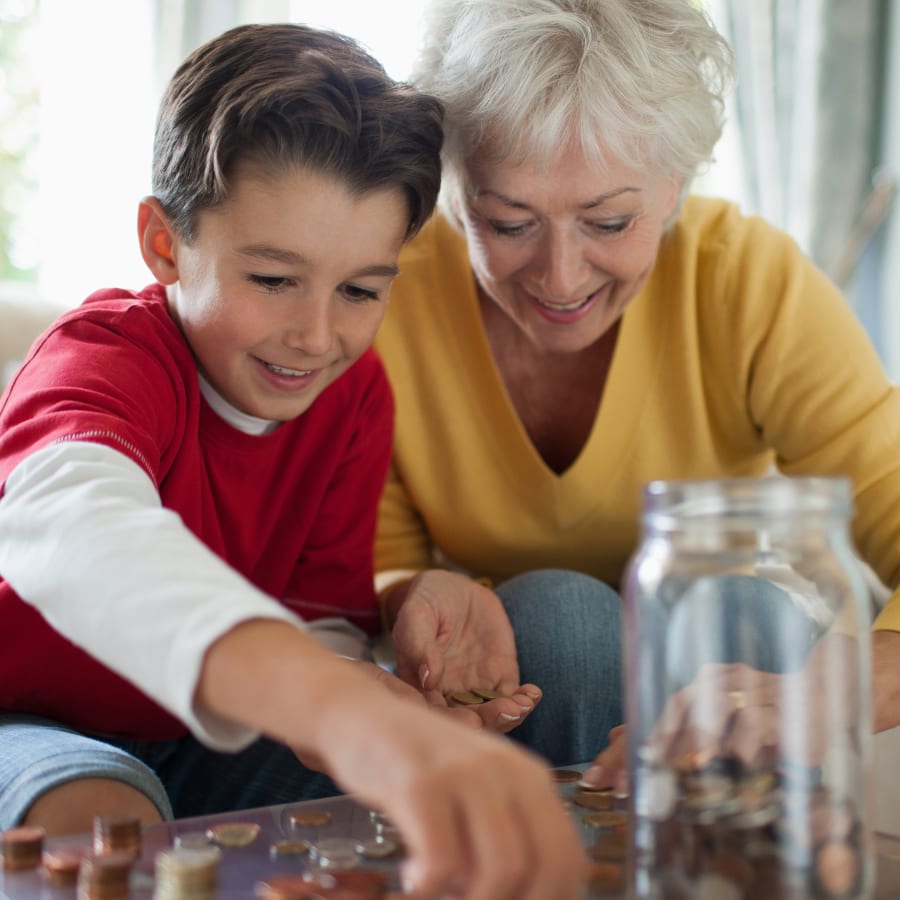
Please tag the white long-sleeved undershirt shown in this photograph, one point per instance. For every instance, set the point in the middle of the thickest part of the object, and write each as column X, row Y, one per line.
column 85, row 539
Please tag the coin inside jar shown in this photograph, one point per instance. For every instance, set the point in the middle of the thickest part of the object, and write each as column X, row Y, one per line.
column 563, row 776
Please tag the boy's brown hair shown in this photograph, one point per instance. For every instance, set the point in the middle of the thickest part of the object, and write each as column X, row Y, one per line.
column 281, row 96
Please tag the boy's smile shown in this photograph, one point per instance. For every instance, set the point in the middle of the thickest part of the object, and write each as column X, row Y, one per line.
column 284, row 286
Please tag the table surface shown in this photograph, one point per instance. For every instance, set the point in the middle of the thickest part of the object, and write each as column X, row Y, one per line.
column 242, row 867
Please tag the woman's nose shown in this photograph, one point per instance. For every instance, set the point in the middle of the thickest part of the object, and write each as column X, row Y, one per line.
column 564, row 266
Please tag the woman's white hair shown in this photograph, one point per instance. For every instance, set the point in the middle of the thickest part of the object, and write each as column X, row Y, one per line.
column 641, row 79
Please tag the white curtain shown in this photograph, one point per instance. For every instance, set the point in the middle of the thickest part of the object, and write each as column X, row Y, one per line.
column 806, row 119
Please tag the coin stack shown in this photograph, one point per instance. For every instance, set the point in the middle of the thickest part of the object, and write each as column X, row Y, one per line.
column 761, row 834
column 187, row 874
column 105, row 876
column 62, row 864
column 21, row 847
column 117, row 834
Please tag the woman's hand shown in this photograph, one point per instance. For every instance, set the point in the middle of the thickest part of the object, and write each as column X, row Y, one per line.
column 609, row 768
column 452, row 634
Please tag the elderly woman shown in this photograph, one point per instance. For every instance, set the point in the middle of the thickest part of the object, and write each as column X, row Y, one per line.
column 573, row 326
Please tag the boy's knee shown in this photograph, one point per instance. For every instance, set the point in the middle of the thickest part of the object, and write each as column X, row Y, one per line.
column 70, row 808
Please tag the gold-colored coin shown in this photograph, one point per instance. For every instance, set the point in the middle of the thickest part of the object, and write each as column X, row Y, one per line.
column 592, row 800
column 310, row 818
column 467, row 698
column 587, row 789
column 564, row 776
column 604, row 819
column 488, row 694
column 289, row 848
column 233, row 834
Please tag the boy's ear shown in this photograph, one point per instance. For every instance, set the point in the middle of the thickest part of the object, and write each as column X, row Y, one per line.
column 157, row 241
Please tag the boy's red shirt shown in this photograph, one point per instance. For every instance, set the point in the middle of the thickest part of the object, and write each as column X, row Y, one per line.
column 293, row 511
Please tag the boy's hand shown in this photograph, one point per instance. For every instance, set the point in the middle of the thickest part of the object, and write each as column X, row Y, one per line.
column 388, row 681
column 452, row 635
column 481, row 817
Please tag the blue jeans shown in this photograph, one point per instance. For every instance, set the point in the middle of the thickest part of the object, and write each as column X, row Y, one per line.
column 181, row 777
column 568, row 630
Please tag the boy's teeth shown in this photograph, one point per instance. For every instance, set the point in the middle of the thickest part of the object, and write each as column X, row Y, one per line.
column 280, row 370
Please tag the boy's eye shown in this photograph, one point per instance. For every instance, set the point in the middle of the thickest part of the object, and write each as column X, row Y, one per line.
column 358, row 294
column 270, row 282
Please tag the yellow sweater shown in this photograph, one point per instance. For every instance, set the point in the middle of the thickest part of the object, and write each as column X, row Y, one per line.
column 737, row 354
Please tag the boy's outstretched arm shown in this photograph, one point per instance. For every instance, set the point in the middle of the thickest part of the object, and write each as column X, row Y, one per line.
column 480, row 816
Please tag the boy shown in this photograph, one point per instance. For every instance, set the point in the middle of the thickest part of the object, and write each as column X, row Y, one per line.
column 189, row 475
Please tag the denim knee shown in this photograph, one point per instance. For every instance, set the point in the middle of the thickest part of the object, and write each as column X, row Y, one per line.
column 568, row 631
column 38, row 754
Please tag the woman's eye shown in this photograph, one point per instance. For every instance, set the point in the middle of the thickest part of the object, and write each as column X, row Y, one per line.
column 271, row 283
column 611, row 227
column 505, row 230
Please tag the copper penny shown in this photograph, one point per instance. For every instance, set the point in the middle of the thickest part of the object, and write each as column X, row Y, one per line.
column 563, row 776
column 310, row 818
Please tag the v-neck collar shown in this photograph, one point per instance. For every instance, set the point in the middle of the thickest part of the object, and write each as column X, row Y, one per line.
column 616, row 425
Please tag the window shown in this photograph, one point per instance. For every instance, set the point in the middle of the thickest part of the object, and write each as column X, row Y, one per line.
column 68, row 198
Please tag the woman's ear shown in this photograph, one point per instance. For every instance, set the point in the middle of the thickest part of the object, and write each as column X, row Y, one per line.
column 157, row 240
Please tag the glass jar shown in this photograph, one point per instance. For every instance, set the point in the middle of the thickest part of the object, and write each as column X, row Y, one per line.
column 747, row 652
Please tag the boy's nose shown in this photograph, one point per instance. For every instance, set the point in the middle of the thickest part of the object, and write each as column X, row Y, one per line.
column 311, row 330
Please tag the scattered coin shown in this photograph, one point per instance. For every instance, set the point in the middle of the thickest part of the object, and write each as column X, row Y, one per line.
column 335, row 853
column 378, row 848
column 289, row 848
column 233, row 834
column 310, row 818
column 192, row 840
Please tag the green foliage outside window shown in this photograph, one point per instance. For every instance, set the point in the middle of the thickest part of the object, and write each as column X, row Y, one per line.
column 19, row 120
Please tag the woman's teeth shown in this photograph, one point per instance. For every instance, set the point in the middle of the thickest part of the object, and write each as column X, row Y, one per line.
column 280, row 370
column 564, row 307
